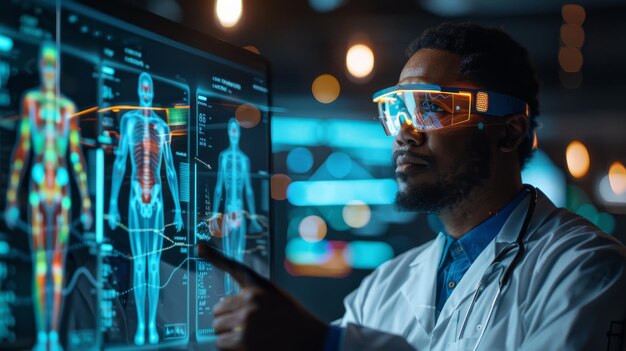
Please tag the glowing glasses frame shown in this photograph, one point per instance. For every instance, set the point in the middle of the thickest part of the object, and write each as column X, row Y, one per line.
column 481, row 101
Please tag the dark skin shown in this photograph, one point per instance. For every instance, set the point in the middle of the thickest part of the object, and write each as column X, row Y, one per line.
column 263, row 317
column 433, row 66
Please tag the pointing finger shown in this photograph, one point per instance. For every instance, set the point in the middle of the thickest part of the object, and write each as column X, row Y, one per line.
column 243, row 274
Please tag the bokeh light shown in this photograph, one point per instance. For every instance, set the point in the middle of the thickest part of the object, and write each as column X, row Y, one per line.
column 357, row 214
column 608, row 196
column 573, row 14
column 248, row 115
column 299, row 160
column 577, row 158
column 325, row 5
column 253, row 49
column 340, row 192
column 333, row 215
column 570, row 59
column 325, row 88
column 588, row 211
column 367, row 254
column 228, row 12
column 303, row 252
column 542, row 173
column 617, row 178
column 571, row 80
column 360, row 60
column 6, row 43
column 339, row 164
column 606, row 222
column 320, row 259
column 279, row 184
column 312, row 228
column 572, row 35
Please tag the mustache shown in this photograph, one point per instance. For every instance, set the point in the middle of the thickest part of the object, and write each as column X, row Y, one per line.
column 401, row 152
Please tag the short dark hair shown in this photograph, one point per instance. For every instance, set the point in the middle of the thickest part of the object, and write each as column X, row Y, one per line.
column 493, row 60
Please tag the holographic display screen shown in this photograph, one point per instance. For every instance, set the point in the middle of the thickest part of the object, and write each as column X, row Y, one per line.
column 124, row 141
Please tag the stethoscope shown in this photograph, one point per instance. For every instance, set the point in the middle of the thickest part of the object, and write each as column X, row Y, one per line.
column 504, row 277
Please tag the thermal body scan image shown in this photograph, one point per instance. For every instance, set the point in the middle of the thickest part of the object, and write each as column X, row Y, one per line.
column 121, row 148
column 48, row 145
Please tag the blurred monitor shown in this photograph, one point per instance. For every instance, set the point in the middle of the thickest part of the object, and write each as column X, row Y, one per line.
column 124, row 140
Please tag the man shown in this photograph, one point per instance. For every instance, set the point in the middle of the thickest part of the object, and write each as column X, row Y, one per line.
column 511, row 270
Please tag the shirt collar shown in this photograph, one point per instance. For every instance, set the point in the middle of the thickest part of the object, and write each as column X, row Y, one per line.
column 476, row 240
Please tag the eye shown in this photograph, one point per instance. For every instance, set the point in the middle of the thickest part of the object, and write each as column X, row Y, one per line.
column 430, row 106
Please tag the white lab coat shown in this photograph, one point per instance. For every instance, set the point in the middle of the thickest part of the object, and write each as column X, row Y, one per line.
column 568, row 288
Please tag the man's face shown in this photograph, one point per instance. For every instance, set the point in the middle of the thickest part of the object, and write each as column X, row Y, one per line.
column 437, row 169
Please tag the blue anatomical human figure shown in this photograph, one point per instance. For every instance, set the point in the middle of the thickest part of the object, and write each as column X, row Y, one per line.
column 233, row 178
column 146, row 138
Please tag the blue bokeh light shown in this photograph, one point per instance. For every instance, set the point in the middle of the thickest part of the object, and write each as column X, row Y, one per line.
column 545, row 175
column 340, row 192
column 325, row 5
column 367, row 254
column 300, row 160
column 339, row 164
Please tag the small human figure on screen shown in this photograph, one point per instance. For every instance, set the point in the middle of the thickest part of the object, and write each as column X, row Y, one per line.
column 233, row 178
column 48, row 133
column 146, row 138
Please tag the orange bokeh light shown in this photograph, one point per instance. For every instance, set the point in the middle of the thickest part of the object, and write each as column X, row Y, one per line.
column 617, row 178
column 248, row 115
column 572, row 35
column 570, row 59
column 278, row 185
column 577, row 158
column 325, row 88
column 573, row 14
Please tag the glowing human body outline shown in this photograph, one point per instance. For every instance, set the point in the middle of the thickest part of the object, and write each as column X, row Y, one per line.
column 233, row 176
column 47, row 129
column 146, row 137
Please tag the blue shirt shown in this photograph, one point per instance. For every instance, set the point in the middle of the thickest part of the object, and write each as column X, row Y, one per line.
column 458, row 255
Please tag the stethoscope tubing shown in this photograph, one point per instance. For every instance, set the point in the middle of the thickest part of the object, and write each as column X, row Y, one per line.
column 504, row 278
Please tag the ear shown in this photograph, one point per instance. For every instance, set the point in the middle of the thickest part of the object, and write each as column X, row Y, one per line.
column 515, row 130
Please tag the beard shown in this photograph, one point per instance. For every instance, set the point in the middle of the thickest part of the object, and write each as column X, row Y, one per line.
column 451, row 188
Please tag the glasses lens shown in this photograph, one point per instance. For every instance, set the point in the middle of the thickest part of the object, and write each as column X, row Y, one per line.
column 425, row 110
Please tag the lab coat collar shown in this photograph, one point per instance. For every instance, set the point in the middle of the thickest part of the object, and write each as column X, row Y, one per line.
column 420, row 288
column 468, row 284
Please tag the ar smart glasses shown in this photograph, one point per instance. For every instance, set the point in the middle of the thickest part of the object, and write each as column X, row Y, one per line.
column 429, row 107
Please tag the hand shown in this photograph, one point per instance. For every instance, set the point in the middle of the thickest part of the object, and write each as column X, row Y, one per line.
column 261, row 317
column 178, row 221
column 86, row 218
column 12, row 216
column 114, row 217
column 215, row 225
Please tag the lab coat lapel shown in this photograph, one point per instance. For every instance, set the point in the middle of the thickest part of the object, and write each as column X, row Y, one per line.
column 468, row 284
column 421, row 285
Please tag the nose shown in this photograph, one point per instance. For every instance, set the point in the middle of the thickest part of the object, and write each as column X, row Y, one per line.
column 409, row 135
